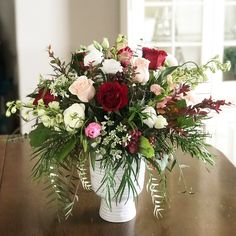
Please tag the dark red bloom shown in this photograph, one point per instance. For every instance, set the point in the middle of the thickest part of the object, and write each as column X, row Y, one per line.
column 112, row 96
column 124, row 56
column 46, row 95
column 155, row 56
column 133, row 144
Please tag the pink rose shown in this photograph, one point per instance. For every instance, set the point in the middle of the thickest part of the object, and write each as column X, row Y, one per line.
column 141, row 70
column 124, row 56
column 83, row 89
column 156, row 89
column 93, row 130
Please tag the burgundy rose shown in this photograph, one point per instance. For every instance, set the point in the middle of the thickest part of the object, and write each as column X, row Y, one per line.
column 124, row 56
column 46, row 95
column 156, row 57
column 112, row 96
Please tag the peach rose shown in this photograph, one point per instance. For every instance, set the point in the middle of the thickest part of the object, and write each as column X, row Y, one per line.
column 83, row 89
column 156, row 89
column 142, row 72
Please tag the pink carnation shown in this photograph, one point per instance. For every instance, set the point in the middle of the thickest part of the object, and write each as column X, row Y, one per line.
column 93, row 130
column 156, row 89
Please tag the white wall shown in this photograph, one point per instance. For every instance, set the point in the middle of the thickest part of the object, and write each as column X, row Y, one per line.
column 65, row 24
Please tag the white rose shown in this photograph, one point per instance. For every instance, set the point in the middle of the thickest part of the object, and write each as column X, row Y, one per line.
column 111, row 66
column 83, row 88
column 171, row 60
column 152, row 116
column 74, row 116
column 93, row 57
column 161, row 122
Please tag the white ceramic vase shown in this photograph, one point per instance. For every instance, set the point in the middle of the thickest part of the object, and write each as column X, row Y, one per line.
column 124, row 210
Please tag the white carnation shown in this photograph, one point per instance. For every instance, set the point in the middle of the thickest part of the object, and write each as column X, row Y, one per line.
column 161, row 122
column 74, row 116
column 111, row 66
column 93, row 57
column 152, row 116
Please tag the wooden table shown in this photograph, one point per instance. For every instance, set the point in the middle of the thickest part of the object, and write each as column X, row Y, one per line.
column 210, row 211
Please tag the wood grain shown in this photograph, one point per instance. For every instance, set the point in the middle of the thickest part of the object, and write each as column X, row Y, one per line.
column 210, row 211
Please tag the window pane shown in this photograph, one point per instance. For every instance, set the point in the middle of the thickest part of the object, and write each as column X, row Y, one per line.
column 184, row 54
column 230, row 23
column 188, row 23
column 230, row 55
column 157, row 24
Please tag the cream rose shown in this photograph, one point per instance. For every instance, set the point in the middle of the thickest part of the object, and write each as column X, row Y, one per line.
column 74, row 116
column 83, row 89
column 150, row 121
column 161, row 122
column 142, row 72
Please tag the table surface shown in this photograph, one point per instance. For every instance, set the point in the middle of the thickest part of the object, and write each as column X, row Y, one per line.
column 210, row 211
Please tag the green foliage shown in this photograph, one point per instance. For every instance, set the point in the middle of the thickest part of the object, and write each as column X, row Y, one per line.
column 39, row 135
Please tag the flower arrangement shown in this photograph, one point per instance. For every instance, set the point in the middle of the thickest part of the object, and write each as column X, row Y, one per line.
column 119, row 106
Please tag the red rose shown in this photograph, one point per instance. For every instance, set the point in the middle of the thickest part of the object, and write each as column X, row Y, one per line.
column 124, row 56
column 45, row 95
column 112, row 96
column 156, row 57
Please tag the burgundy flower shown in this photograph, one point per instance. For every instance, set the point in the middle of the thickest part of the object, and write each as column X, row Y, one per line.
column 133, row 144
column 112, row 96
column 156, row 57
column 46, row 95
column 124, row 56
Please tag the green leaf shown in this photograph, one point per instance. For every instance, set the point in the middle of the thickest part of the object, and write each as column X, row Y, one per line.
column 145, row 147
column 65, row 149
column 166, row 72
column 181, row 103
column 39, row 135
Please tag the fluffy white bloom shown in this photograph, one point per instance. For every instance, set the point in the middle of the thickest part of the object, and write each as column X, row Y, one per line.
column 152, row 116
column 171, row 60
column 74, row 116
column 161, row 122
column 54, row 105
column 93, row 57
column 46, row 120
column 111, row 66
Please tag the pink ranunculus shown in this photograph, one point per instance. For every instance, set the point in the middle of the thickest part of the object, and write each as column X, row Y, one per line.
column 141, row 70
column 93, row 130
column 156, row 89
column 163, row 103
column 124, row 56
column 83, row 88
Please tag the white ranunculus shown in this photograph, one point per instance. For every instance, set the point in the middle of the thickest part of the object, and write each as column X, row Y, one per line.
column 111, row 66
column 161, row 122
column 171, row 60
column 93, row 57
column 74, row 116
column 152, row 116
